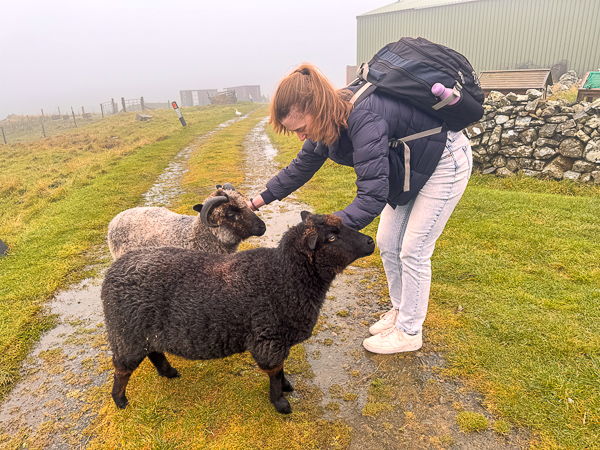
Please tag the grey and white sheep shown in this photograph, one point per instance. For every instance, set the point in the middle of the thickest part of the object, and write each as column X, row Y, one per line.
column 205, row 306
column 224, row 220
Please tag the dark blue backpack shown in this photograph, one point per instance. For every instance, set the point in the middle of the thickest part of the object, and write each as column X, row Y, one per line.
column 410, row 68
column 429, row 76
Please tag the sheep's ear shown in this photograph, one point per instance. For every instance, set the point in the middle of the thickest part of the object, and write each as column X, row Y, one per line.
column 304, row 215
column 219, row 186
column 198, row 207
column 312, row 241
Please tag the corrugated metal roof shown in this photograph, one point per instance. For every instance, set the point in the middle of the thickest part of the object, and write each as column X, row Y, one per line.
column 515, row 79
column 402, row 5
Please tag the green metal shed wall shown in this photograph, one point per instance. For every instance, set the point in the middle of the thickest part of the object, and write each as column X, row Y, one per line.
column 496, row 34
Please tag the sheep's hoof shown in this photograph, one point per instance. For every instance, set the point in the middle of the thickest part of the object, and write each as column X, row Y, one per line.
column 286, row 386
column 121, row 402
column 283, row 406
column 172, row 373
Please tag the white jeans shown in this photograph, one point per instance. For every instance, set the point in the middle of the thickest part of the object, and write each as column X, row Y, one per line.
column 407, row 234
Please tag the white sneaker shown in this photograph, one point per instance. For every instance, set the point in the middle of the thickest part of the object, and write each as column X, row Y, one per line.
column 385, row 322
column 393, row 341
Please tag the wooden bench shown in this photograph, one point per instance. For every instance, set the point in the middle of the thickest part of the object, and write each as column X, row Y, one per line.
column 518, row 81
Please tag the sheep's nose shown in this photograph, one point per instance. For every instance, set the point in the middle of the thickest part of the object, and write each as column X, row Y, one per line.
column 370, row 245
column 260, row 229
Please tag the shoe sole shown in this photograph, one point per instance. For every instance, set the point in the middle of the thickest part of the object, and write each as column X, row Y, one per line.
column 390, row 351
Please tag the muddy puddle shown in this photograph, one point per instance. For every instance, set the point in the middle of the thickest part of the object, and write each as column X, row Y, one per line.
column 390, row 401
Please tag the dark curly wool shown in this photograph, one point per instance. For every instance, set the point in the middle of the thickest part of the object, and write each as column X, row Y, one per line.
column 204, row 306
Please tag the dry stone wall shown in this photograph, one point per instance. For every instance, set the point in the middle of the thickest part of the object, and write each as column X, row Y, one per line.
column 537, row 137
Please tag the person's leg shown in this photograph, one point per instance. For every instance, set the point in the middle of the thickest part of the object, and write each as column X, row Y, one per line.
column 423, row 225
column 390, row 233
column 432, row 208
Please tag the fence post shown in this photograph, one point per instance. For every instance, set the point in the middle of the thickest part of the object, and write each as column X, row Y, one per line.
column 123, row 103
column 102, row 110
column 43, row 129
column 142, row 102
column 82, row 112
column 59, row 113
column 43, row 117
column 74, row 121
column 3, row 135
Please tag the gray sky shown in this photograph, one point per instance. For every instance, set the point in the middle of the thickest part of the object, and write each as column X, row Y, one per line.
column 63, row 53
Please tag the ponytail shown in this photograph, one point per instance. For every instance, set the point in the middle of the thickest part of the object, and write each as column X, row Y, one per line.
column 307, row 91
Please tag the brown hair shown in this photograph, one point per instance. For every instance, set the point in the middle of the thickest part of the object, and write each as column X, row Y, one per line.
column 307, row 91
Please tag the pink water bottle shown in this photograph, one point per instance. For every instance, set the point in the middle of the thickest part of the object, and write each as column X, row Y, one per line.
column 442, row 92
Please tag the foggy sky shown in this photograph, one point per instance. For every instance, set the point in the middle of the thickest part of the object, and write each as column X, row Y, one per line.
column 74, row 53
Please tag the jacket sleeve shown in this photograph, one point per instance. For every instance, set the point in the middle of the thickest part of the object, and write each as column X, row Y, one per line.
column 369, row 135
column 296, row 174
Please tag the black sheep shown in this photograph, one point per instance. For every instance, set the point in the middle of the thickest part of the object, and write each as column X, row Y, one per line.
column 205, row 306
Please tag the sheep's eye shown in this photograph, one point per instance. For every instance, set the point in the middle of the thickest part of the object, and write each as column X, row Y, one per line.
column 332, row 239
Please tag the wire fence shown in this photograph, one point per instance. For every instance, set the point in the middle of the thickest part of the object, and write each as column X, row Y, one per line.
column 14, row 128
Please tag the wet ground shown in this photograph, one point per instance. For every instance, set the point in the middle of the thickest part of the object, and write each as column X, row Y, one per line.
column 391, row 402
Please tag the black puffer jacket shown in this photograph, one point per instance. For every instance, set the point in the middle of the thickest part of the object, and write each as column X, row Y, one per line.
column 364, row 146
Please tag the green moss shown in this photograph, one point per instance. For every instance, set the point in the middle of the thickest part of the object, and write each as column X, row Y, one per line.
column 470, row 422
column 333, row 406
column 350, row 397
column 374, row 409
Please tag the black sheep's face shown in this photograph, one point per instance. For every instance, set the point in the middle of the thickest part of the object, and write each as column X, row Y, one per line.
column 242, row 221
column 333, row 245
column 232, row 216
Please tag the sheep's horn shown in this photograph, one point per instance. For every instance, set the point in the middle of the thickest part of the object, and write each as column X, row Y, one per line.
column 208, row 206
column 229, row 187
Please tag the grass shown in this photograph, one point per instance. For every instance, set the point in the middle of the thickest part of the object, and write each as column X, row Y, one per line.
column 515, row 302
column 196, row 411
column 19, row 129
column 58, row 195
column 525, row 268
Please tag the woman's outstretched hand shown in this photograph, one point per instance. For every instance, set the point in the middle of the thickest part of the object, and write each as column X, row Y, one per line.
column 255, row 203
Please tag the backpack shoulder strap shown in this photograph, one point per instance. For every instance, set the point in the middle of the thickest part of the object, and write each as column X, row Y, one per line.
column 358, row 93
column 361, row 75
